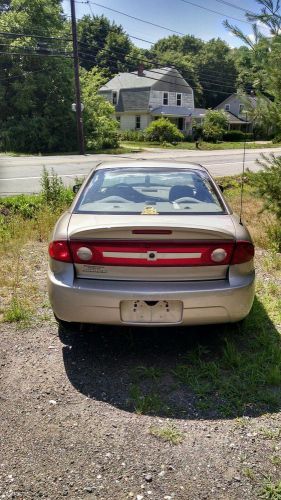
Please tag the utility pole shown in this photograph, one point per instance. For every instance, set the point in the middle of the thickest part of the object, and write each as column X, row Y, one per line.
column 80, row 132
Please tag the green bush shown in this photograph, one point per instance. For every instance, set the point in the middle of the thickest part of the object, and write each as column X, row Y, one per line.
column 26, row 205
column 267, row 183
column 214, row 125
column 277, row 139
column 131, row 135
column 237, row 135
column 162, row 130
column 53, row 192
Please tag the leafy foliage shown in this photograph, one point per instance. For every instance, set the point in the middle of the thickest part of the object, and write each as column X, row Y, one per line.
column 162, row 130
column 100, row 127
column 214, row 125
column 268, row 182
column 35, row 92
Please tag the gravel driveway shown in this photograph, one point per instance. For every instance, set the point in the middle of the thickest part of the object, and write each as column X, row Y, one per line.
column 68, row 427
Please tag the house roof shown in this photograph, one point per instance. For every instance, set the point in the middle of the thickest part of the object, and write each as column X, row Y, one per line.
column 150, row 78
column 234, row 119
column 178, row 111
column 242, row 97
column 133, row 100
column 172, row 111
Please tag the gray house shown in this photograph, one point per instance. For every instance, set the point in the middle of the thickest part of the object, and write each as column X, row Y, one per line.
column 143, row 96
column 235, row 107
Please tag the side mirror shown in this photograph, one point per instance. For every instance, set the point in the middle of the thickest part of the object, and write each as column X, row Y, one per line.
column 221, row 188
column 76, row 188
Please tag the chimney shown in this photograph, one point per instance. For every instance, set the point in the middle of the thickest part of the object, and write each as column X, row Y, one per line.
column 140, row 70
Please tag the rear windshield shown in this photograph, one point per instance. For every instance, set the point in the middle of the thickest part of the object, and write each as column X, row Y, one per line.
column 149, row 191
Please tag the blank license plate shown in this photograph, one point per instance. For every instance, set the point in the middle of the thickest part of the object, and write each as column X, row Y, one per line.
column 140, row 311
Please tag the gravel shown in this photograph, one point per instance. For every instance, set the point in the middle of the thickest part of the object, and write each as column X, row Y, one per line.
column 58, row 441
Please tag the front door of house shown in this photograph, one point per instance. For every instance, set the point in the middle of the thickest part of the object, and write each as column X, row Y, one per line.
column 180, row 123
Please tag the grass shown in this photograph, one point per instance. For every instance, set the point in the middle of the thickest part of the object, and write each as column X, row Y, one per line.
column 270, row 433
column 123, row 148
column 258, row 221
column 145, row 403
column 276, row 460
column 168, row 434
column 271, row 491
column 204, row 146
column 249, row 473
column 18, row 312
column 144, row 372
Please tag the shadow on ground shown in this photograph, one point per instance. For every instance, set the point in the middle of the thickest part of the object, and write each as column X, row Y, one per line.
column 216, row 371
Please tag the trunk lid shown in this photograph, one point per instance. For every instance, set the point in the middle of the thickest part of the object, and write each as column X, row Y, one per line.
column 142, row 248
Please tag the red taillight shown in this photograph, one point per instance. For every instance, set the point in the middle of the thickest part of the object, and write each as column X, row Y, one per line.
column 244, row 251
column 59, row 250
column 152, row 253
column 151, row 231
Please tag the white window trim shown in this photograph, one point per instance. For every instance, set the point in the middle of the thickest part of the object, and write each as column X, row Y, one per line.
column 227, row 107
column 167, row 98
column 178, row 93
column 241, row 108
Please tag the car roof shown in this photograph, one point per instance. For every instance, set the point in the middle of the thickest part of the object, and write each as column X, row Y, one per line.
column 149, row 163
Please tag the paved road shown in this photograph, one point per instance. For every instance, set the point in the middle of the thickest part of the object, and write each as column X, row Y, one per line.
column 22, row 174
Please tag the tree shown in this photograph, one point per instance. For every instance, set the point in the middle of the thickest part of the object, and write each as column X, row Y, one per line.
column 162, row 130
column 216, row 71
column 104, row 44
column 99, row 124
column 37, row 92
column 214, row 125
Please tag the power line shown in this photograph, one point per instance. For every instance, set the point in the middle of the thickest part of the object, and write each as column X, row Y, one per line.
column 30, row 35
column 35, row 54
column 214, row 11
column 21, row 76
column 229, row 4
column 131, row 17
column 34, row 30
column 90, row 58
column 178, row 85
column 206, row 74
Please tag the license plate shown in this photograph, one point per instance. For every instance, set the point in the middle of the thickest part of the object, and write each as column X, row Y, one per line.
column 162, row 311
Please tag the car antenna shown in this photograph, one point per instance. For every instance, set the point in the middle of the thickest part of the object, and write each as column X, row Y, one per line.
column 243, row 173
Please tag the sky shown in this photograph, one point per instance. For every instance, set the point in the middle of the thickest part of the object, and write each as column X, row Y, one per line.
column 174, row 14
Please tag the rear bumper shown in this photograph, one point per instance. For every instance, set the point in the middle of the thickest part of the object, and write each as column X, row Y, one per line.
column 98, row 301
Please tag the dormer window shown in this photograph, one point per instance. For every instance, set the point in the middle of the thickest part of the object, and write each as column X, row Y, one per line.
column 241, row 108
column 227, row 107
column 114, row 98
column 179, row 96
column 165, row 98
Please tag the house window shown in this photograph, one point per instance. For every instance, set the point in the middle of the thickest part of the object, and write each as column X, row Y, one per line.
column 114, row 98
column 118, row 120
column 241, row 108
column 227, row 107
column 178, row 99
column 138, row 122
column 165, row 98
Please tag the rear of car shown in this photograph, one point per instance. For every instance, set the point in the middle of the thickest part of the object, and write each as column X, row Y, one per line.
column 150, row 245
